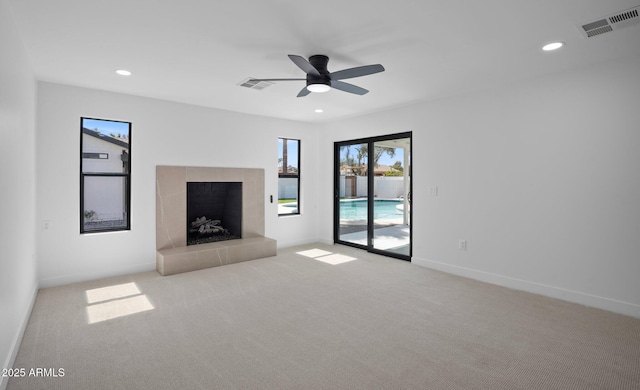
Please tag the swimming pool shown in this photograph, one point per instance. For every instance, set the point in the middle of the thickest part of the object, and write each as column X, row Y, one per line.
column 382, row 209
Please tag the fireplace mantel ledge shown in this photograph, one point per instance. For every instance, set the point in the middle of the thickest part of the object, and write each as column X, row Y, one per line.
column 170, row 261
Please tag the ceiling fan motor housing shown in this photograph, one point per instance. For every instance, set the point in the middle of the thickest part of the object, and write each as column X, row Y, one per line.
column 319, row 62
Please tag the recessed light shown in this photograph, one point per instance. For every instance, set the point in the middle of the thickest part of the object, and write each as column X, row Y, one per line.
column 552, row 46
column 319, row 110
column 123, row 72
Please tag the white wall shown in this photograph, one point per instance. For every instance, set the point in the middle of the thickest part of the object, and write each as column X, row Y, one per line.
column 18, row 274
column 540, row 178
column 163, row 133
column 113, row 152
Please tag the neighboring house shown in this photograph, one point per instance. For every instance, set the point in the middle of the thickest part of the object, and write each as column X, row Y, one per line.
column 382, row 170
column 104, row 198
column 353, row 170
column 361, row 170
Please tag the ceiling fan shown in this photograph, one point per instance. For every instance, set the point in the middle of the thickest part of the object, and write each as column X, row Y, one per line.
column 319, row 79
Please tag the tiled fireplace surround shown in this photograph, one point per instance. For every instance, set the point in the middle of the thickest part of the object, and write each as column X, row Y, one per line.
column 172, row 253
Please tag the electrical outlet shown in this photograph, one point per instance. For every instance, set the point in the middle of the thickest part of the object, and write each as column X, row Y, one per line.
column 462, row 245
column 433, row 191
column 46, row 225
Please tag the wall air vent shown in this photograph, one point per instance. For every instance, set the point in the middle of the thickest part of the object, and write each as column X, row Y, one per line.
column 250, row 82
column 611, row 22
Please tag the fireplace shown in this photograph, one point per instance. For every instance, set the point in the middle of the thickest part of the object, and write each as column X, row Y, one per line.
column 172, row 253
column 171, row 202
column 214, row 212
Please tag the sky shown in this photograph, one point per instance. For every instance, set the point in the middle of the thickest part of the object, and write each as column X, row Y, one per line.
column 386, row 160
column 106, row 127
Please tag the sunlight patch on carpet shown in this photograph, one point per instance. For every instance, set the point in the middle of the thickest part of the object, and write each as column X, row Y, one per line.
column 116, row 301
column 112, row 292
column 313, row 253
column 120, row 308
column 326, row 257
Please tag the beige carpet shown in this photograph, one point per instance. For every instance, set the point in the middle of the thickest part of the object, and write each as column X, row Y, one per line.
column 320, row 322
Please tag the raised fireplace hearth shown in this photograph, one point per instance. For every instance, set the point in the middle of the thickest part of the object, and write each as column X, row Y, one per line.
column 174, row 254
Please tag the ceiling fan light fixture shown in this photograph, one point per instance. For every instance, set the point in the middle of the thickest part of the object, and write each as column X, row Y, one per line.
column 318, row 88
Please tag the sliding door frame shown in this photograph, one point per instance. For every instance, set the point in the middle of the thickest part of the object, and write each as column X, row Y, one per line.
column 370, row 141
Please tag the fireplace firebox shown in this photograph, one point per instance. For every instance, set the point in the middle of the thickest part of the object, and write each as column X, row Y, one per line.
column 214, row 212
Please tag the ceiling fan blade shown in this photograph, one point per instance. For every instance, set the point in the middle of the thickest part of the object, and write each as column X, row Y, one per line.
column 277, row 79
column 303, row 92
column 346, row 87
column 304, row 65
column 356, row 72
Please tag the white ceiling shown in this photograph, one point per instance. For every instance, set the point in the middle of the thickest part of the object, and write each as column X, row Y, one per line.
column 197, row 51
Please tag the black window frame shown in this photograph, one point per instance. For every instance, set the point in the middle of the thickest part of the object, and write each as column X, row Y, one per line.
column 126, row 175
column 296, row 175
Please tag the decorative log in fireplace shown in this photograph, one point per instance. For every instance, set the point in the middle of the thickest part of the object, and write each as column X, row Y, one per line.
column 205, row 230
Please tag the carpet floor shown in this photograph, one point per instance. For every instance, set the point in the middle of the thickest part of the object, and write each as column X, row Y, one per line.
column 319, row 317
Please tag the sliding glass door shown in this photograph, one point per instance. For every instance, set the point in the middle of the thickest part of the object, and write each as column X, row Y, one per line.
column 372, row 208
column 353, row 190
column 392, row 196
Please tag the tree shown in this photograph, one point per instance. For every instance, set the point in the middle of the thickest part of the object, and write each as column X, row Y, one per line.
column 285, row 162
column 362, row 153
column 358, row 164
column 378, row 151
column 397, row 166
column 347, row 160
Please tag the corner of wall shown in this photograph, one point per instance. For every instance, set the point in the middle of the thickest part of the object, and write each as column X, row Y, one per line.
column 15, row 346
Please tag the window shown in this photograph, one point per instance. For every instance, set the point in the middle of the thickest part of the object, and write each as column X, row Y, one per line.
column 105, row 175
column 288, row 176
column 102, row 156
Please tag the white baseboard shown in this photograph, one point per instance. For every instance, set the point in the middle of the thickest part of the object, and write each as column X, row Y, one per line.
column 15, row 347
column 84, row 276
column 620, row 307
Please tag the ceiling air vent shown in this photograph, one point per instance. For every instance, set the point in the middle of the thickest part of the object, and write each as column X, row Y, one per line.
column 610, row 23
column 250, row 82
